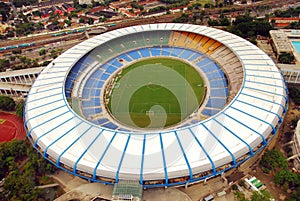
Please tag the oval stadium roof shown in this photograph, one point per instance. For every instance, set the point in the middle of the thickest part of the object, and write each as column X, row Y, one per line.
column 163, row 157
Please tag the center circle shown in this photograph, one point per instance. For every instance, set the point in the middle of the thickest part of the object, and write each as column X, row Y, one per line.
column 154, row 93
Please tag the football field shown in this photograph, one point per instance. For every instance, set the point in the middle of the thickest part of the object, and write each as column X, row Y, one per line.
column 156, row 93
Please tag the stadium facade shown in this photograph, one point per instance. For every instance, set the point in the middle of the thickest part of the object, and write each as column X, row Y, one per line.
column 245, row 105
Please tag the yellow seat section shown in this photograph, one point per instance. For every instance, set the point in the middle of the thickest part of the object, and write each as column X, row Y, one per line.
column 207, row 45
column 214, row 47
column 181, row 40
column 201, row 43
column 194, row 43
column 175, row 35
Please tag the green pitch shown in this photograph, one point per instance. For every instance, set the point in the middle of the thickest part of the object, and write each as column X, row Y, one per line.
column 156, row 93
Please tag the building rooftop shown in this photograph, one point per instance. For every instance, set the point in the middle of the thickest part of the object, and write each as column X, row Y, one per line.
column 281, row 41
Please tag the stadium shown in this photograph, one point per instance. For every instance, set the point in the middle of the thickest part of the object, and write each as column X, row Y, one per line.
column 78, row 113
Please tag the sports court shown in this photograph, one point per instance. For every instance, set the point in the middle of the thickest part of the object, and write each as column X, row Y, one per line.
column 11, row 127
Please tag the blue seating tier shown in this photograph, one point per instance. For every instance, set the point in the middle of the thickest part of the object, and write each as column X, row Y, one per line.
column 93, row 86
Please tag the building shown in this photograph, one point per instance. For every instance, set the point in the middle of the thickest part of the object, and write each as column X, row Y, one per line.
column 66, row 120
column 281, row 42
column 254, row 184
column 281, row 22
column 18, row 83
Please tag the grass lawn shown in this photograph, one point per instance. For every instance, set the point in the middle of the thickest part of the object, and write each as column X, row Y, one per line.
column 156, row 93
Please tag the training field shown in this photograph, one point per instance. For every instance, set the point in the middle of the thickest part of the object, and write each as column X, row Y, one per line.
column 155, row 93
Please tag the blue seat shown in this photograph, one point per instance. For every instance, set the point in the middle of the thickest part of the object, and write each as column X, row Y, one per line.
column 100, row 84
column 194, row 56
column 218, row 92
column 186, row 54
column 166, row 51
column 155, row 51
column 95, row 92
column 104, row 76
column 203, row 62
column 89, row 83
column 85, row 103
column 210, row 112
column 213, row 75
column 101, row 121
column 88, row 111
column 124, row 56
column 134, row 54
column 216, row 84
column 105, row 66
column 111, row 69
column 212, row 66
column 95, row 101
column 68, row 84
column 68, row 94
column 176, row 51
column 110, row 125
column 115, row 63
column 85, row 93
column 97, row 74
column 145, row 52
column 216, row 103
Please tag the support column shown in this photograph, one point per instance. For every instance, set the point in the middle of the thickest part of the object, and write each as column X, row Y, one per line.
column 30, row 78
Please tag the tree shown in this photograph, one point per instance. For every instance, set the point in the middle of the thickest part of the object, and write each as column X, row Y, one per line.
column 12, row 58
column 53, row 54
column 273, row 160
column 4, row 64
column 39, row 26
column 286, row 58
column 287, row 177
column 10, row 34
column 68, row 22
column 240, row 196
column 294, row 93
column 81, row 20
column 17, row 51
column 7, row 103
column 42, row 52
column 4, row 11
column 262, row 195
column 19, row 109
column 91, row 21
column 20, row 182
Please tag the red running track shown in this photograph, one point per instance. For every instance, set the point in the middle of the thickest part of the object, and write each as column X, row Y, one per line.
column 12, row 128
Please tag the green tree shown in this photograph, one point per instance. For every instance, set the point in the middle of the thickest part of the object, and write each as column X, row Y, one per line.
column 262, row 195
column 17, row 51
column 4, row 11
column 273, row 160
column 91, row 21
column 19, row 109
column 42, row 52
column 53, row 54
column 240, row 196
column 4, row 64
column 81, row 20
column 291, row 179
column 39, row 26
column 7, row 103
column 10, row 34
column 286, row 58
column 68, row 22
column 12, row 58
